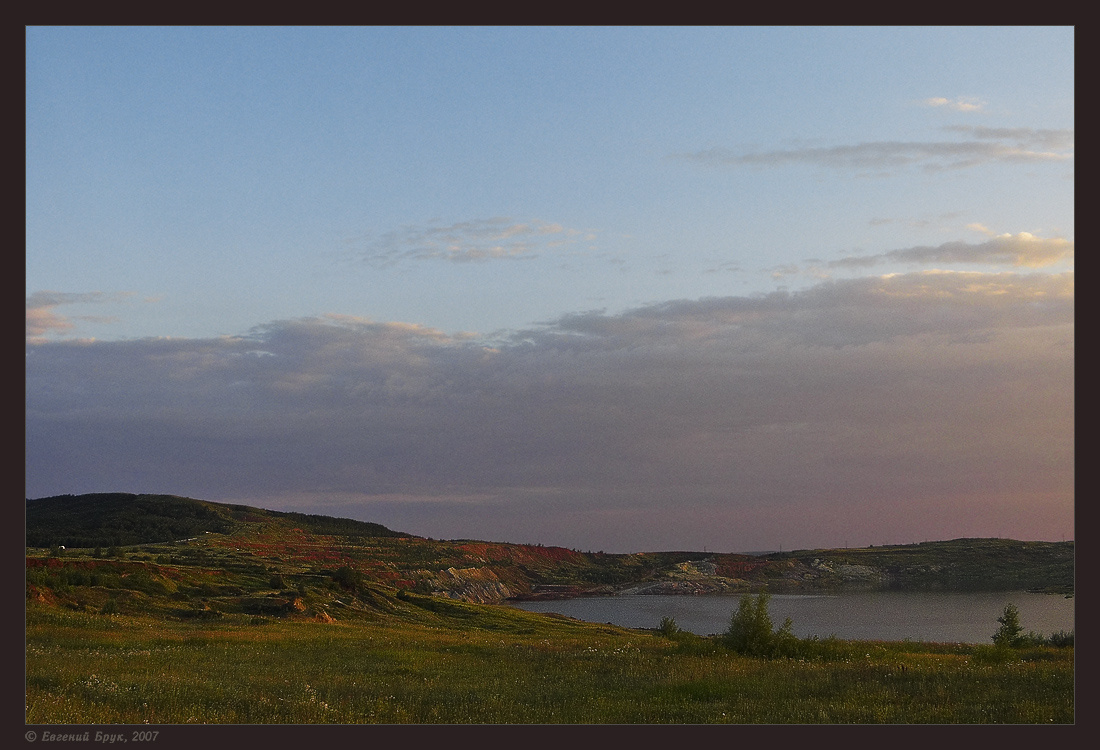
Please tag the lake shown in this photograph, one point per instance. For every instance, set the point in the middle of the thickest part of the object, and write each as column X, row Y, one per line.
column 938, row 617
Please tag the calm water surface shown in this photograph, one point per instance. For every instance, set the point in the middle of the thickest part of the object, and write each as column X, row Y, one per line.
column 940, row 617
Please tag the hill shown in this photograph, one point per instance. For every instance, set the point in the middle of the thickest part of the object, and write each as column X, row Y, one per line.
column 115, row 519
column 184, row 557
column 955, row 565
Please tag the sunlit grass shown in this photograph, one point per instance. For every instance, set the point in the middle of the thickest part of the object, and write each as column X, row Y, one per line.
column 500, row 665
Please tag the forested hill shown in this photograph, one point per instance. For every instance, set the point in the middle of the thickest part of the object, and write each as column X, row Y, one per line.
column 183, row 530
column 120, row 519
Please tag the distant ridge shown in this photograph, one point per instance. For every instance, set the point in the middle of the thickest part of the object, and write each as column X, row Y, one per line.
column 119, row 519
column 487, row 570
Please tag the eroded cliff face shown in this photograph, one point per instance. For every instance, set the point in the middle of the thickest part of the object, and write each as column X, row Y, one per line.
column 480, row 585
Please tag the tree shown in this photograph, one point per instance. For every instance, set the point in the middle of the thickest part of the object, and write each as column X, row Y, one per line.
column 668, row 627
column 751, row 632
column 1009, row 634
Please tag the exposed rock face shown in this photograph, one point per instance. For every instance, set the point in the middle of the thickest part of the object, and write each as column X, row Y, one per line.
column 479, row 585
column 861, row 574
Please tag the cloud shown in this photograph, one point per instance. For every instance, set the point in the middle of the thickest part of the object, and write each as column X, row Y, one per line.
column 42, row 319
column 703, row 417
column 959, row 104
column 1020, row 250
column 986, row 146
column 469, row 241
column 1024, row 138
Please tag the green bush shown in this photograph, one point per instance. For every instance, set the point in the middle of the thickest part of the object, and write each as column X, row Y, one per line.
column 348, row 578
column 1061, row 639
column 751, row 633
column 668, row 627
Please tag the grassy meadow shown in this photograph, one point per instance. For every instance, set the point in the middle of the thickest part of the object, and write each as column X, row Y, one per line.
column 496, row 665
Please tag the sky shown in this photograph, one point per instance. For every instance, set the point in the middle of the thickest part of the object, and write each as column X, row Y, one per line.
column 620, row 289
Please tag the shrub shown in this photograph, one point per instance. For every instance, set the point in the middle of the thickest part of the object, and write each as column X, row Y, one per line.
column 668, row 627
column 750, row 631
column 1061, row 639
column 348, row 578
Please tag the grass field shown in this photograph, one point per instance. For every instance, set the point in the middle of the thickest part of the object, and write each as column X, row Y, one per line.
column 481, row 664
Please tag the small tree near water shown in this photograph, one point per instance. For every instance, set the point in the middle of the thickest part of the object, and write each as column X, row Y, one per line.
column 751, row 632
column 668, row 627
column 1010, row 632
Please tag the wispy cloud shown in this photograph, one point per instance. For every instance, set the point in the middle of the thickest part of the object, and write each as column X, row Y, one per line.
column 985, row 146
column 1022, row 250
column 472, row 241
column 958, row 104
column 43, row 319
column 1045, row 139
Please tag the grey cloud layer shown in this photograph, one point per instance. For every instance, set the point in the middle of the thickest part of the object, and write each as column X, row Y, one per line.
column 906, row 387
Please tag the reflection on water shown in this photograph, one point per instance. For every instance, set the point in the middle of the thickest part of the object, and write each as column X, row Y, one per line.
column 943, row 617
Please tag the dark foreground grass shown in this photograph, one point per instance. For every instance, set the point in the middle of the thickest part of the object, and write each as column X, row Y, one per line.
column 495, row 665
